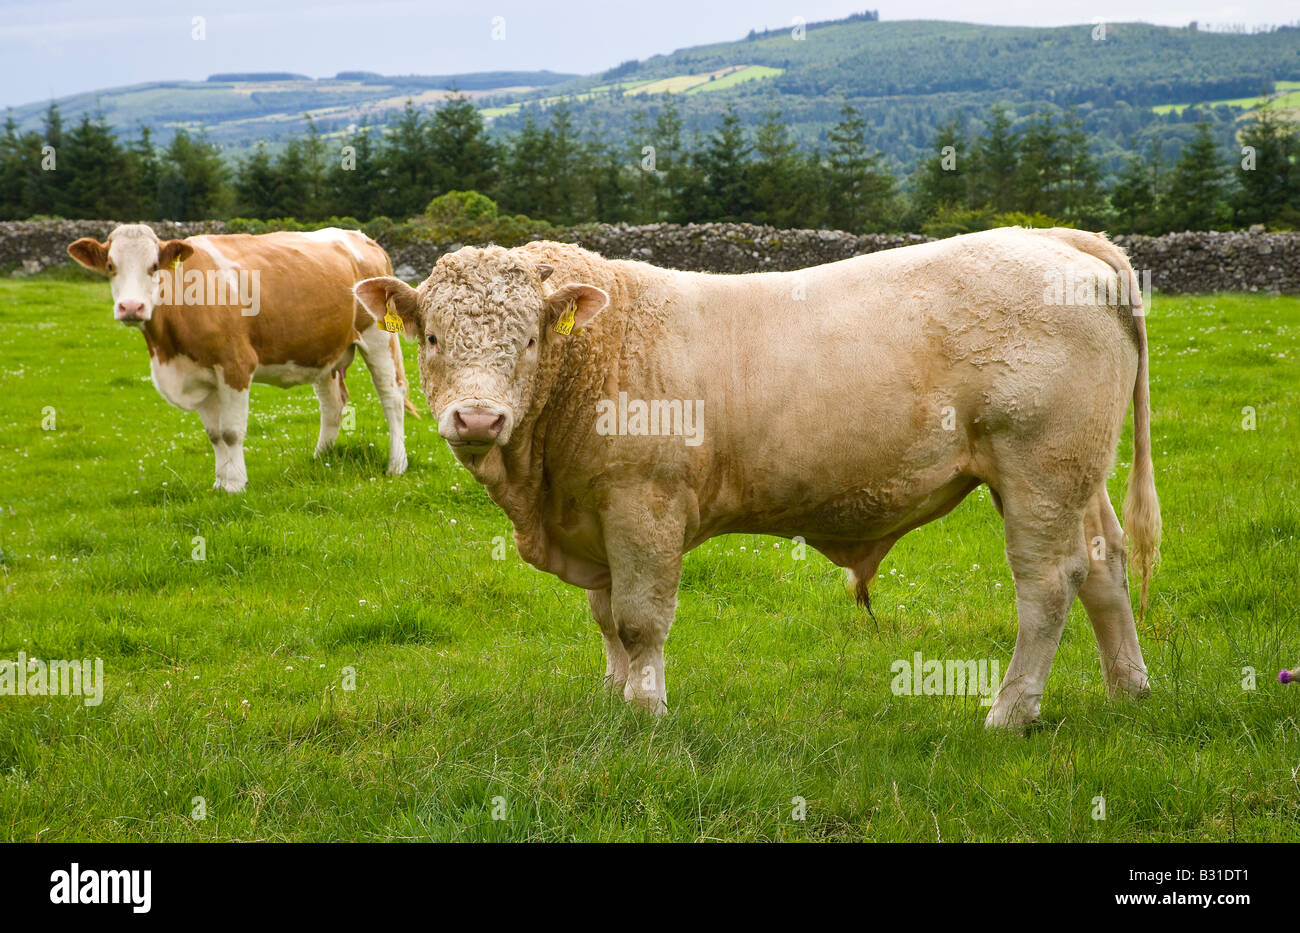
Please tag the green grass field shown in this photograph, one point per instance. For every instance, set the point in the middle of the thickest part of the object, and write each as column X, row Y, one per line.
column 718, row 80
column 479, row 678
column 1286, row 97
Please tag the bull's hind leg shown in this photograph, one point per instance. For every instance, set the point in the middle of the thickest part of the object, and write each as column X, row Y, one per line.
column 1105, row 596
column 329, row 392
column 615, row 653
column 1049, row 561
column 376, row 349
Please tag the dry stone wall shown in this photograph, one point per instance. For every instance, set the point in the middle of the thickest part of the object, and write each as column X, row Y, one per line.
column 1246, row 261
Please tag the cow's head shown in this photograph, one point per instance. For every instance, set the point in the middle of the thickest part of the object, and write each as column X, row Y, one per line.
column 131, row 258
column 485, row 324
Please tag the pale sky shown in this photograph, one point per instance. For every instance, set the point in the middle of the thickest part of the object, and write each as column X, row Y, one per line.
column 51, row 48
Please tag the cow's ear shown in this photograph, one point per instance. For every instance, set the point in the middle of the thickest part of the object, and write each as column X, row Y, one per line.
column 90, row 253
column 386, row 294
column 172, row 252
column 573, row 306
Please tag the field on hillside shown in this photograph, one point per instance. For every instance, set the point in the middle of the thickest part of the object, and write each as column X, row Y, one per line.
column 1285, row 97
column 478, row 681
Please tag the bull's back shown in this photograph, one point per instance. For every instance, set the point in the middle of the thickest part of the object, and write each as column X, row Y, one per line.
column 858, row 387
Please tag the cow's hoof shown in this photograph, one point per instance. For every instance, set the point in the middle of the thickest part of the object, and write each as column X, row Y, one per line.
column 396, row 467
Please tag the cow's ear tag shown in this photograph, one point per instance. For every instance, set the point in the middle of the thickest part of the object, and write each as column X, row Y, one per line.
column 392, row 323
column 176, row 262
column 565, row 324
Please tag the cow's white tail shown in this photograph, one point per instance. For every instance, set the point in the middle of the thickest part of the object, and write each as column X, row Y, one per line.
column 398, row 367
column 400, row 371
column 1141, row 505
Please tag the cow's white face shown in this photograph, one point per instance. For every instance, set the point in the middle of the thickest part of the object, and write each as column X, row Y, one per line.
column 131, row 258
column 484, row 322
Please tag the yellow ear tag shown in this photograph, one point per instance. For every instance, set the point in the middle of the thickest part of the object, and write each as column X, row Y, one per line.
column 176, row 262
column 392, row 323
column 565, row 324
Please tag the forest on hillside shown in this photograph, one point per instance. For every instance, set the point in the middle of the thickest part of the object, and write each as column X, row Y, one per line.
column 1039, row 170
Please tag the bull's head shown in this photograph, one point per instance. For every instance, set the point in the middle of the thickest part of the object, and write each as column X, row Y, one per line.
column 131, row 258
column 484, row 322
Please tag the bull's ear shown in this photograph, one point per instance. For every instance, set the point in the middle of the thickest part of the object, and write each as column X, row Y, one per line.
column 172, row 252
column 90, row 253
column 380, row 295
column 573, row 306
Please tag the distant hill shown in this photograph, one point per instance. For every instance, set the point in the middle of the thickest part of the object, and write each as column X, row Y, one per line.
column 240, row 109
column 1129, row 81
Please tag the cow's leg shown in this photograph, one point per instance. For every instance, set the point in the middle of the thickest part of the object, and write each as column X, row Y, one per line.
column 615, row 653
column 1105, row 596
column 329, row 392
column 210, row 412
column 1049, row 561
column 376, row 349
column 643, row 542
column 233, row 404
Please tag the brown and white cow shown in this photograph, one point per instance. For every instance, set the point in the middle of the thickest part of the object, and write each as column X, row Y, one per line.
column 847, row 403
column 221, row 312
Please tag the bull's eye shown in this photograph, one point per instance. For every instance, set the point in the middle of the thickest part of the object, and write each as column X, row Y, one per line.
column 111, row 269
column 532, row 342
column 153, row 268
column 433, row 341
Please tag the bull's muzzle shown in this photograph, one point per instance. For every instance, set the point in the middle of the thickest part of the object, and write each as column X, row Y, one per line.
column 476, row 427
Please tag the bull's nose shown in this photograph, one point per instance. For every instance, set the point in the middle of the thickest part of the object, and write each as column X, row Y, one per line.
column 477, row 425
column 129, row 310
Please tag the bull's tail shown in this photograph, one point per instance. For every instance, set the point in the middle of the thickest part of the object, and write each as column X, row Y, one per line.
column 1141, row 506
column 399, row 370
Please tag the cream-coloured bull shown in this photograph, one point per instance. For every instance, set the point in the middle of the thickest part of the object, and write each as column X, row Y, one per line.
column 847, row 403
column 221, row 312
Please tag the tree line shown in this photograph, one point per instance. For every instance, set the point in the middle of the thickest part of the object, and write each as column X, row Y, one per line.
column 1040, row 169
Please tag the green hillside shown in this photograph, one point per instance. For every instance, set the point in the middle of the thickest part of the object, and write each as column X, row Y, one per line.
column 906, row 78
column 269, row 108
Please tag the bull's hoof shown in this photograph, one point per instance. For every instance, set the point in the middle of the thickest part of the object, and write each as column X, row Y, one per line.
column 397, row 467
column 1011, row 717
column 651, row 705
column 1129, row 689
column 1125, row 679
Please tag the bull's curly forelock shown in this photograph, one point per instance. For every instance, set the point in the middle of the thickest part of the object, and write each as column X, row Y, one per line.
column 488, row 299
column 483, row 266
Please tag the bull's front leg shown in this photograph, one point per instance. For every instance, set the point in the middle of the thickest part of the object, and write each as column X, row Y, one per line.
column 615, row 653
column 643, row 541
